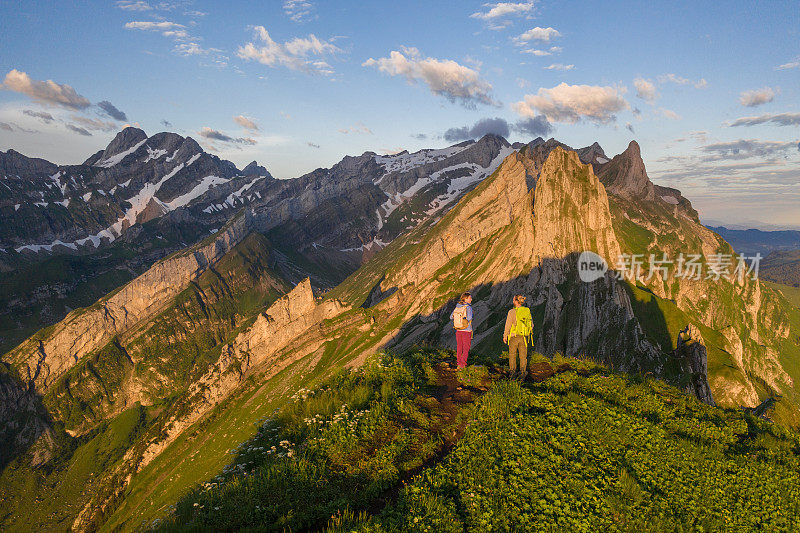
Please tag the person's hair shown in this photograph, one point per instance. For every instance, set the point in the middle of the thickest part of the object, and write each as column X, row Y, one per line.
column 463, row 298
column 520, row 299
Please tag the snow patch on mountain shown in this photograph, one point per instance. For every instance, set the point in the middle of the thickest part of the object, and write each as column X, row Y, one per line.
column 138, row 204
column 116, row 159
column 459, row 185
column 454, row 189
column 374, row 244
column 56, row 178
column 48, row 247
column 405, row 162
column 231, row 199
column 199, row 189
column 154, row 154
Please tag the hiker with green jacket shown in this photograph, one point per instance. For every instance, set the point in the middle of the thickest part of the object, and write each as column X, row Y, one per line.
column 519, row 327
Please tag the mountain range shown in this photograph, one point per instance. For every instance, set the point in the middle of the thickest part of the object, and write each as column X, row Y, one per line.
column 247, row 289
column 752, row 241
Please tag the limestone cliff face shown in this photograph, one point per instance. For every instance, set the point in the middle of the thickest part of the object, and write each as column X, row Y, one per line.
column 45, row 357
column 23, row 423
column 752, row 326
column 293, row 315
column 504, row 239
column 496, row 203
column 287, row 318
column 570, row 210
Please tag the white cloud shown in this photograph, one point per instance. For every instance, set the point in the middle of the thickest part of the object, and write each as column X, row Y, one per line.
column 537, row 34
column 185, row 43
column 673, row 78
column 781, row 119
column 147, row 25
column 668, row 113
column 573, row 103
column 46, row 92
column 794, row 63
column 756, row 97
column 560, row 66
column 215, row 135
column 292, row 54
column 246, row 123
column 78, row 130
column 44, row 116
column 645, row 89
column 95, row 124
column 299, row 10
column 443, row 77
column 540, row 53
column 359, row 127
column 747, row 148
column 680, row 80
column 503, row 9
column 132, row 5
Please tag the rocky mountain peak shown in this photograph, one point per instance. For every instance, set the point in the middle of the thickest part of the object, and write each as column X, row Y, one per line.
column 124, row 140
column 596, row 146
column 13, row 162
column 192, row 145
column 626, row 176
column 254, row 169
column 494, row 139
column 537, row 141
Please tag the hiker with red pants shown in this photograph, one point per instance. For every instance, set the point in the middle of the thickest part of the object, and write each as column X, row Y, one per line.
column 462, row 322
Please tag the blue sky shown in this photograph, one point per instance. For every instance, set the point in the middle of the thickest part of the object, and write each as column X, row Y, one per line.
column 710, row 90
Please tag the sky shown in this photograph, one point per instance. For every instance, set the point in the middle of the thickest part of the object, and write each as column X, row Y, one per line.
column 710, row 90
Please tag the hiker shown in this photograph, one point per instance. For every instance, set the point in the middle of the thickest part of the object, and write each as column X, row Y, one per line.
column 462, row 322
column 519, row 327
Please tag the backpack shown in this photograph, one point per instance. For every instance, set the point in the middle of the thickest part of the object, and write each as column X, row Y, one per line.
column 523, row 326
column 460, row 317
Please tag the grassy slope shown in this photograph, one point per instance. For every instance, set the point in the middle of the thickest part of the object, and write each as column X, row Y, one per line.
column 175, row 347
column 201, row 451
column 782, row 267
column 208, row 313
column 65, row 282
column 792, row 294
column 727, row 306
column 50, row 498
column 582, row 450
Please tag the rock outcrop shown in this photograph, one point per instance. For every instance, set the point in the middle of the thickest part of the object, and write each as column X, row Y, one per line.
column 626, row 176
column 692, row 359
column 45, row 357
column 292, row 316
column 24, row 423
